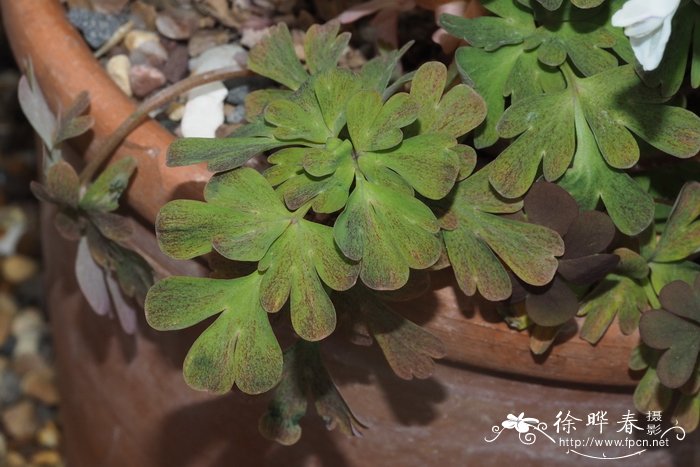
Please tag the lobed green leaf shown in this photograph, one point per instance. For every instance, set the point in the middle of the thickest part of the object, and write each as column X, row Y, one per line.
column 239, row 347
column 274, row 58
column 389, row 232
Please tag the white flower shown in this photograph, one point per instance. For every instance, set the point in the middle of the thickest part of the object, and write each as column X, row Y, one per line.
column 648, row 25
column 521, row 423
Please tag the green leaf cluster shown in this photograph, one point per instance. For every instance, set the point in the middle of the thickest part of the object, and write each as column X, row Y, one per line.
column 479, row 240
column 576, row 113
column 636, row 284
column 347, row 196
column 652, row 394
column 655, row 277
column 368, row 184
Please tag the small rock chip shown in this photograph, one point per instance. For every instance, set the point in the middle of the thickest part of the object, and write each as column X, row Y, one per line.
column 204, row 111
column 28, row 362
column 46, row 458
column 10, row 387
column 109, row 6
column 41, row 385
column 28, row 327
column 149, row 53
column 175, row 68
column 15, row 459
column 250, row 36
column 96, row 27
column 352, row 59
column 20, row 421
column 18, row 268
column 143, row 15
column 237, row 115
column 137, row 37
column 176, row 111
column 13, row 224
column 118, row 69
column 145, row 79
column 8, row 310
column 204, row 40
column 229, row 55
column 28, row 321
column 49, row 436
column 178, row 26
column 237, row 95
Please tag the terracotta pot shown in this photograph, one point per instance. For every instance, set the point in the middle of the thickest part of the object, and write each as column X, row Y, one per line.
column 124, row 399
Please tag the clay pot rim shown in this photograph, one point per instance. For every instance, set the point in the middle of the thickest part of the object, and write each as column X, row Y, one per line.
column 64, row 66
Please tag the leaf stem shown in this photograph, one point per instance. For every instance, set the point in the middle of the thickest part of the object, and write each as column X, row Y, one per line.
column 154, row 102
column 301, row 212
column 569, row 75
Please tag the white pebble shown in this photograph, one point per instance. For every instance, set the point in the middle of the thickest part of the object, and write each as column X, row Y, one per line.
column 134, row 39
column 118, row 69
column 204, row 111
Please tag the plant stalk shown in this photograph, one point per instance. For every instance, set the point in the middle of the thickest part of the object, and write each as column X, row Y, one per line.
column 154, row 102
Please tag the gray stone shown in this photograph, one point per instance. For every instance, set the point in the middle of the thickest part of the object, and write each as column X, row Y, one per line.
column 237, row 95
column 149, row 53
column 177, row 24
column 10, row 387
column 237, row 115
column 96, row 27
column 176, row 67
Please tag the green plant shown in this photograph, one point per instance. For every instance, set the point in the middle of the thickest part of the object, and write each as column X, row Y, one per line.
column 110, row 274
column 564, row 91
column 370, row 185
column 587, row 236
column 367, row 182
column 576, row 109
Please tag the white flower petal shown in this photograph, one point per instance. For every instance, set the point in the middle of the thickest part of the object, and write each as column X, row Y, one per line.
column 509, row 424
column 648, row 24
column 635, row 11
column 643, row 28
column 522, row 427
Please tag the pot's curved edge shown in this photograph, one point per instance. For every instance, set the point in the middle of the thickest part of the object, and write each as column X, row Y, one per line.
column 65, row 67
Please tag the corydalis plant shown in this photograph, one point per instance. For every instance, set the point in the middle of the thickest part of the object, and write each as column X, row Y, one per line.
column 358, row 168
column 675, row 330
column 344, row 147
column 479, row 240
column 635, row 284
column 652, row 394
column 658, row 273
column 110, row 275
column 670, row 354
column 347, row 148
column 575, row 113
column 587, row 235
